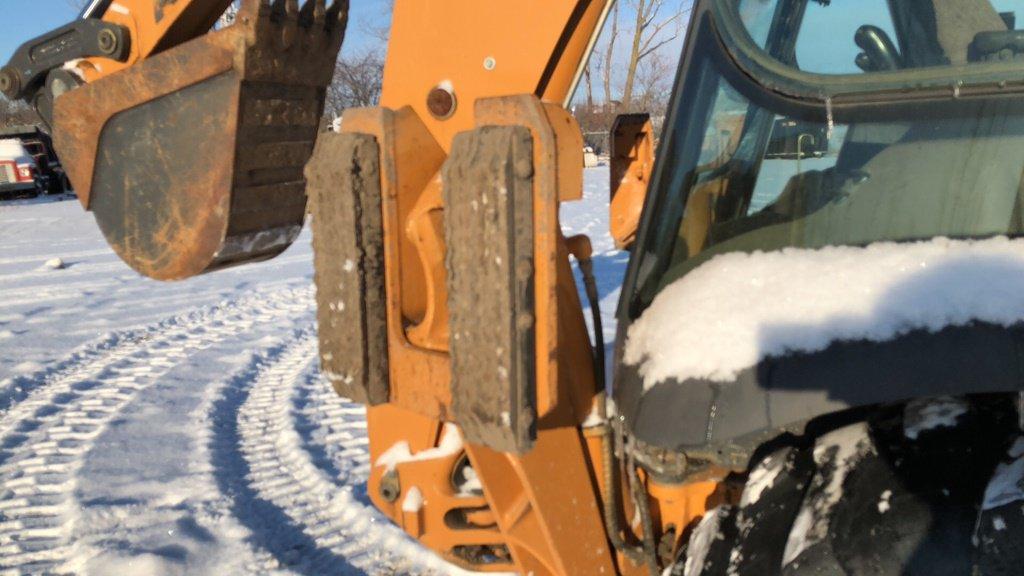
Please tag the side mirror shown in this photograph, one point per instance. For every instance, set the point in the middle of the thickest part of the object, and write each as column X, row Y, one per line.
column 632, row 160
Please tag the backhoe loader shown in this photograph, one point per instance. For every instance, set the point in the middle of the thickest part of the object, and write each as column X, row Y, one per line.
column 818, row 364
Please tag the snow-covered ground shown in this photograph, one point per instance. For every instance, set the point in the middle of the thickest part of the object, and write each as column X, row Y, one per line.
column 150, row 428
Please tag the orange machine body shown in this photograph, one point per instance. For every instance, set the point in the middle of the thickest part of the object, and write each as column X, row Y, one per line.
column 452, row 66
column 544, row 506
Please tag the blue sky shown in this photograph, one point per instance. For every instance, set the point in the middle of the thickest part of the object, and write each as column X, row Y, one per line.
column 22, row 20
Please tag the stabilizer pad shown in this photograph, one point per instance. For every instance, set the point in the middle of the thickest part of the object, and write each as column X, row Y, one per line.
column 488, row 207
column 348, row 246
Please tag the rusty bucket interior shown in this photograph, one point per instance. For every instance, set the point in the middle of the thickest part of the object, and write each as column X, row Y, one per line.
column 192, row 160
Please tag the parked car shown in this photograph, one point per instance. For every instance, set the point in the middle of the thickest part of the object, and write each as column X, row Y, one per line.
column 49, row 172
column 19, row 174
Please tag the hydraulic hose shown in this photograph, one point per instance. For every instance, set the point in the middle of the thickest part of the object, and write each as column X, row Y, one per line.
column 582, row 250
column 611, row 499
column 650, row 550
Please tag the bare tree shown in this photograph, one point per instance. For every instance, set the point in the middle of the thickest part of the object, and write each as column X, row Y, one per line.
column 656, row 23
column 654, row 84
column 357, row 82
column 380, row 28
column 609, row 55
column 589, row 80
column 15, row 113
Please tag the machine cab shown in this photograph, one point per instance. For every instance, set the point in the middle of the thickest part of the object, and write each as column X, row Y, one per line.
column 829, row 172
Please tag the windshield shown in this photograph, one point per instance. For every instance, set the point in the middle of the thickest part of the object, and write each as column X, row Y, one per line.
column 859, row 36
column 738, row 175
column 847, row 47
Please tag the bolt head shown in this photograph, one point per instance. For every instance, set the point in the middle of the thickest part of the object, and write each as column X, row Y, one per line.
column 441, row 103
column 107, row 41
column 9, row 83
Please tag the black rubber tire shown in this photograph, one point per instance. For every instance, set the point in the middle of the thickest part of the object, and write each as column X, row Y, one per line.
column 875, row 498
column 1000, row 530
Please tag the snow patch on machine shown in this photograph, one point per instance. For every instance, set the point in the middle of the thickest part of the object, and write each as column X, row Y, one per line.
column 762, row 478
column 468, row 483
column 264, row 240
column 885, row 502
column 739, row 308
column 703, row 536
column 1007, row 484
column 925, row 414
column 400, row 453
column 413, row 501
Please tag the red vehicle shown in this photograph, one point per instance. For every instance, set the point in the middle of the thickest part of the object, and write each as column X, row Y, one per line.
column 18, row 170
column 49, row 174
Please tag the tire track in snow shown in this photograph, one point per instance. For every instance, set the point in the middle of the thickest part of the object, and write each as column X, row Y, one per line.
column 79, row 276
column 45, row 438
column 71, row 256
column 310, row 514
column 92, row 358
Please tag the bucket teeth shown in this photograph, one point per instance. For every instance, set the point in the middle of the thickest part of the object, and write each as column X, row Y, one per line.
column 290, row 29
column 312, row 13
column 337, row 15
column 319, row 13
column 277, row 10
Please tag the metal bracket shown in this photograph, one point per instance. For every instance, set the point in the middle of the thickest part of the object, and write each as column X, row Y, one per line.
column 26, row 72
column 348, row 244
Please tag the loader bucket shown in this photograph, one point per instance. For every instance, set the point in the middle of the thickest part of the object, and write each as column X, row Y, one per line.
column 192, row 160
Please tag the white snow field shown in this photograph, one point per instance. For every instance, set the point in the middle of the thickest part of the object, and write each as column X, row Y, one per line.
column 150, row 428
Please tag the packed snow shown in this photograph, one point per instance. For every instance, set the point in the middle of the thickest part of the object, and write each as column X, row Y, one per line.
column 884, row 502
column 923, row 414
column 1007, row 484
column 450, row 445
column 739, row 308
column 762, row 477
column 413, row 501
column 150, row 428
column 835, row 453
column 701, row 539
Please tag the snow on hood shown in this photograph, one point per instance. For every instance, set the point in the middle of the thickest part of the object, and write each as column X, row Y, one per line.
column 739, row 308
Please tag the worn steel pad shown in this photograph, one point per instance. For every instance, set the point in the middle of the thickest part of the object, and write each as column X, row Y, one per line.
column 488, row 207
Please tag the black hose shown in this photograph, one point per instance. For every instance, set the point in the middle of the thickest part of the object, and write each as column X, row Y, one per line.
column 590, row 286
column 611, row 499
column 650, row 550
column 635, row 554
